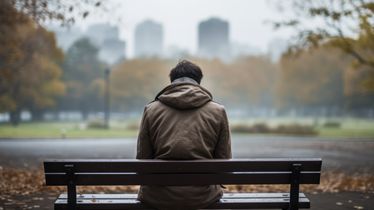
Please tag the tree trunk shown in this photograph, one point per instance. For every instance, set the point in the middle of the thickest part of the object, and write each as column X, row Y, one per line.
column 15, row 117
column 84, row 115
column 37, row 115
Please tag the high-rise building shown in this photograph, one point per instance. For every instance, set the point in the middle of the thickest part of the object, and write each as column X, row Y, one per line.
column 106, row 38
column 149, row 37
column 214, row 41
column 103, row 36
column 100, row 32
column 277, row 47
column 66, row 36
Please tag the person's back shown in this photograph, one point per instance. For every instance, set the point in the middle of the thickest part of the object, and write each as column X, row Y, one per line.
column 183, row 123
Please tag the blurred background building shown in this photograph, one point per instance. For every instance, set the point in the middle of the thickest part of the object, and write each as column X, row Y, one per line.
column 149, row 38
column 276, row 48
column 106, row 38
column 213, row 38
column 103, row 36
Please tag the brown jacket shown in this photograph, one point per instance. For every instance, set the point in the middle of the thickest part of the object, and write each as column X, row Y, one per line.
column 183, row 123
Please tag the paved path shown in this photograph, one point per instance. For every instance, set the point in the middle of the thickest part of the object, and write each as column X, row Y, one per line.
column 336, row 153
column 320, row 201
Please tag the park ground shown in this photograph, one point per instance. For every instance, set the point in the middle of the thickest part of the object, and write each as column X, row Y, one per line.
column 347, row 151
column 324, row 127
column 347, row 175
column 320, row 201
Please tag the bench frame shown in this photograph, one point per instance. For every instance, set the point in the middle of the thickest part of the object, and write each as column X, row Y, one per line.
column 70, row 174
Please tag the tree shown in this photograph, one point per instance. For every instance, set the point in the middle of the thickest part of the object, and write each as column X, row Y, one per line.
column 359, row 99
column 136, row 82
column 314, row 81
column 245, row 83
column 29, row 58
column 29, row 70
column 83, row 76
column 345, row 24
column 64, row 12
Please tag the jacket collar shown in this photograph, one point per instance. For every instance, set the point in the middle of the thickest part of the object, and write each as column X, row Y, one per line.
column 185, row 80
column 182, row 81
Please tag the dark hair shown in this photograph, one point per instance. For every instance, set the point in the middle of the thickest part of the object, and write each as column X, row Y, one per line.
column 186, row 68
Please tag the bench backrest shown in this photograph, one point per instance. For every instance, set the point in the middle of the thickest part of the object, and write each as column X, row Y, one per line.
column 186, row 172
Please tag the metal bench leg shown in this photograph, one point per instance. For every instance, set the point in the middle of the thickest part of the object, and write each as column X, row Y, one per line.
column 294, row 188
column 72, row 191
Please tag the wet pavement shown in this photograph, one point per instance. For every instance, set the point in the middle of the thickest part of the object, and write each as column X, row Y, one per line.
column 347, row 154
column 320, row 201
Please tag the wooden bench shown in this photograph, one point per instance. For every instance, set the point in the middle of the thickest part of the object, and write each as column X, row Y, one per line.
column 73, row 173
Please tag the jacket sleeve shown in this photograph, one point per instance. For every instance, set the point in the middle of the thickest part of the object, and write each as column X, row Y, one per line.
column 223, row 147
column 144, row 145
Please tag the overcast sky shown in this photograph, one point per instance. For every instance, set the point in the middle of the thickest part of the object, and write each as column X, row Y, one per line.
column 180, row 18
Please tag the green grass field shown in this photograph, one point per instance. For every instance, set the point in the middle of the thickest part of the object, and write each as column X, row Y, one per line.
column 61, row 130
column 349, row 128
column 354, row 128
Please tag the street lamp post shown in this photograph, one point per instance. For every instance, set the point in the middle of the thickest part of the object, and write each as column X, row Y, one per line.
column 107, row 97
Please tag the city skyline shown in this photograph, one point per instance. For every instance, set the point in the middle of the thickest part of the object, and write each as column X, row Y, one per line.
column 233, row 48
column 103, row 36
column 249, row 21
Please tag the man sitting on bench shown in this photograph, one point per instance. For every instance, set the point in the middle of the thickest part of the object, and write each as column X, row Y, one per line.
column 183, row 123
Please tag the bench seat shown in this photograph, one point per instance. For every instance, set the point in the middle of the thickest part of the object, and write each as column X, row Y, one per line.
column 265, row 171
column 229, row 200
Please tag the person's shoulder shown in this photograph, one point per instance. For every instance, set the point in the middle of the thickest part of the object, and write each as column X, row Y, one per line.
column 151, row 105
column 216, row 106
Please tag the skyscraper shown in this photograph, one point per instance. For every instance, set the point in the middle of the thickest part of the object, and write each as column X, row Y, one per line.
column 149, row 37
column 106, row 38
column 214, row 38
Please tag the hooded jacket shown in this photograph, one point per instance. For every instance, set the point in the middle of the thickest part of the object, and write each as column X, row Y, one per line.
column 183, row 123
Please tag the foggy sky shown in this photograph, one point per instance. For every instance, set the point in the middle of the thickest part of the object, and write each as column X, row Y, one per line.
column 180, row 18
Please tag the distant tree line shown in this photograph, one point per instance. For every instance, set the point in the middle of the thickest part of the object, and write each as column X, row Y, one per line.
column 323, row 81
column 30, row 72
column 346, row 25
column 312, row 82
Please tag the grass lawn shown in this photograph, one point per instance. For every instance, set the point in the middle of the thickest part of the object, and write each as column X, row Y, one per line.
column 349, row 128
column 341, row 132
column 57, row 130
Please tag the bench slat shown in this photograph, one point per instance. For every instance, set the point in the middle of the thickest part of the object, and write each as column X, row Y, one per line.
column 255, row 201
column 225, row 196
column 58, row 179
column 183, row 166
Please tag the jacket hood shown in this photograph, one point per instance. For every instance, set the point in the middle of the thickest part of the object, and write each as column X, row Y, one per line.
column 184, row 95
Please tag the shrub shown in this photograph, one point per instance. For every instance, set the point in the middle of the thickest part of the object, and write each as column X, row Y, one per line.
column 241, row 128
column 332, row 124
column 133, row 126
column 256, row 128
column 261, row 128
column 97, row 124
column 293, row 129
column 296, row 129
